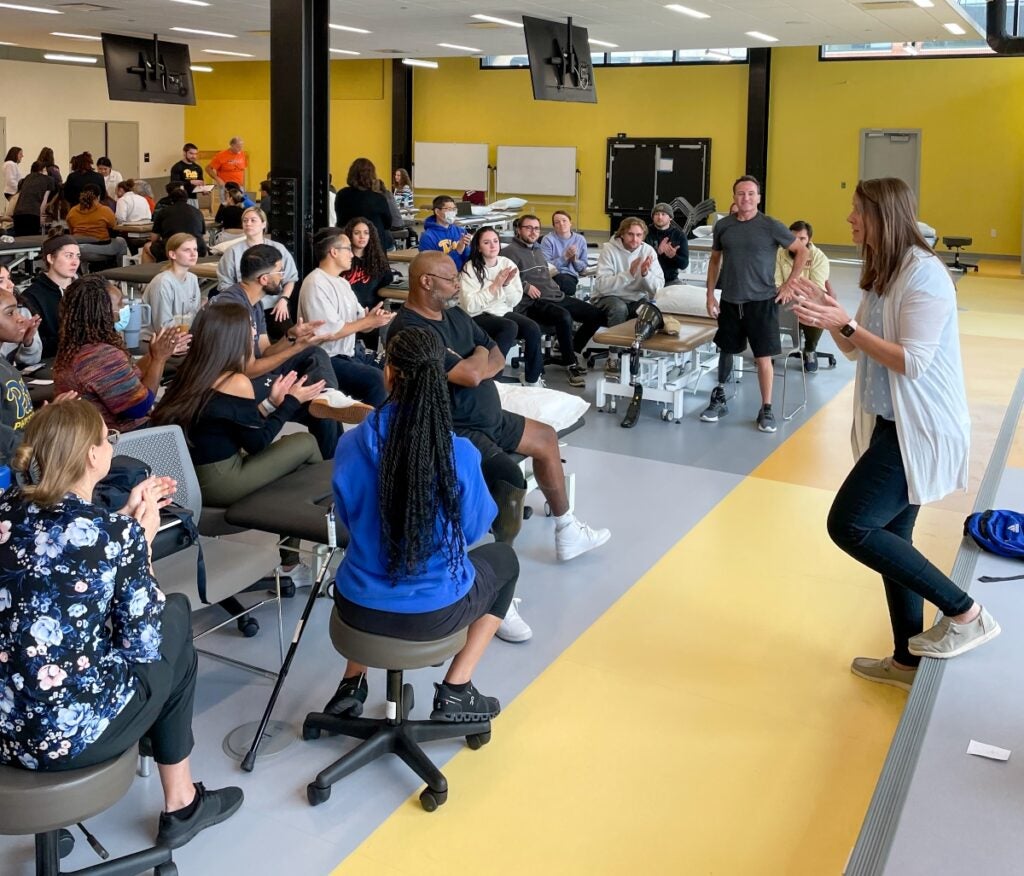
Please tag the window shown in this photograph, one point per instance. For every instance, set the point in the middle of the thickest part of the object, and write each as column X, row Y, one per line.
column 652, row 57
column 619, row 59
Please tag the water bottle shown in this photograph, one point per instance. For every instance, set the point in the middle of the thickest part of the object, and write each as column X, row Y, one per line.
column 141, row 316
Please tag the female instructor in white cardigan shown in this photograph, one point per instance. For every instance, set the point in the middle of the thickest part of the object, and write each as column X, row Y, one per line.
column 911, row 428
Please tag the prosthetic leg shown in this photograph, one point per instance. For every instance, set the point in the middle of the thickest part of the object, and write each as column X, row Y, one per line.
column 508, row 489
column 648, row 321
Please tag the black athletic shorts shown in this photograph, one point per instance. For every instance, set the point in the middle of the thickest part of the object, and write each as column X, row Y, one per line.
column 505, row 440
column 753, row 322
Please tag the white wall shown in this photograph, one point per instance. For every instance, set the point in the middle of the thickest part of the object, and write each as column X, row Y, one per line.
column 40, row 98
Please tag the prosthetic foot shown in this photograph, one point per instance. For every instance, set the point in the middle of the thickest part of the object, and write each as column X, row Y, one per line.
column 633, row 412
column 510, row 501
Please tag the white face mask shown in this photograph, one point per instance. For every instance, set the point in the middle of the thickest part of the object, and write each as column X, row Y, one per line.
column 449, row 216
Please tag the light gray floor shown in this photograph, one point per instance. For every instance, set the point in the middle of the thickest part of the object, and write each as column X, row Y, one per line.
column 650, row 485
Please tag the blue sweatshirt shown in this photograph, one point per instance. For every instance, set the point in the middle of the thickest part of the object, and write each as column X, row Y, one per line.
column 362, row 577
column 436, row 236
column 554, row 248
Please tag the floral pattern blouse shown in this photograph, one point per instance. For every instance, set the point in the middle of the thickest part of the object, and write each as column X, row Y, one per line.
column 78, row 607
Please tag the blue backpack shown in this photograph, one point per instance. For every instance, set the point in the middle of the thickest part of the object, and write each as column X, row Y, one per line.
column 998, row 532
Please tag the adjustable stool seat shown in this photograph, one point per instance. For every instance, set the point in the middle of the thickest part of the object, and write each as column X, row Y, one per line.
column 41, row 803
column 393, row 734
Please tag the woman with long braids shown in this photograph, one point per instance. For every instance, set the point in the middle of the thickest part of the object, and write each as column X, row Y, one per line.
column 412, row 497
column 92, row 359
column 911, row 428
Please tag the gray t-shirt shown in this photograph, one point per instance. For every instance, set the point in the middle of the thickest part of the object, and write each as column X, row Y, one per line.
column 748, row 256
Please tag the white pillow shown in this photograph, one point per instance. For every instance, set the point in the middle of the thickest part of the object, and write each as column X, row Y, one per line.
column 684, row 300
column 559, row 410
column 224, row 245
column 508, row 204
column 703, row 231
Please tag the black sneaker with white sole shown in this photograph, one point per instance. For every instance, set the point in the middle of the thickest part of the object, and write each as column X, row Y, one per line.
column 349, row 697
column 211, row 807
column 716, row 407
column 766, row 419
column 575, row 374
column 462, row 705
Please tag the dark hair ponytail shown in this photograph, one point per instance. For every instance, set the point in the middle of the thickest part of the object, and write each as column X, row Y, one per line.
column 419, row 487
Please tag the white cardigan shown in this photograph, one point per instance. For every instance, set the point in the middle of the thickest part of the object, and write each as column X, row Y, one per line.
column 929, row 401
column 475, row 297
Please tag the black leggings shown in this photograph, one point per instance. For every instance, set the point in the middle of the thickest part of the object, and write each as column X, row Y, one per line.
column 161, row 708
column 497, row 570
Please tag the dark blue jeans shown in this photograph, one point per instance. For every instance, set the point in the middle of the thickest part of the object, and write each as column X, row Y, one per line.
column 873, row 521
column 361, row 376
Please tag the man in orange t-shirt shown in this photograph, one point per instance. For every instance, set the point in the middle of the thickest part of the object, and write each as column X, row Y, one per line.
column 229, row 165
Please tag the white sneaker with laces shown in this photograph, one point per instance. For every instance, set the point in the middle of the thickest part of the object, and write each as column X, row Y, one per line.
column 577, row 538
column 513, row 628
column 300, row 573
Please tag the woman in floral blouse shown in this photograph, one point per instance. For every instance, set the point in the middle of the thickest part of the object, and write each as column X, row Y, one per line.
column 93, row 657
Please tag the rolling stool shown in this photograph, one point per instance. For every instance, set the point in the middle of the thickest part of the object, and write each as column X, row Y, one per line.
column 42, row 803
column 957, row 244
column 393, row 734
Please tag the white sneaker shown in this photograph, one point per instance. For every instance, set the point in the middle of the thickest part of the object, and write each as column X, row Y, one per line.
column 536, row 384
column 513, row 628
column 301, row 574
column 577, row 538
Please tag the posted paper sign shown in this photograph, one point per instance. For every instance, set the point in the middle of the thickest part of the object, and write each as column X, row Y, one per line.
column 983, row 749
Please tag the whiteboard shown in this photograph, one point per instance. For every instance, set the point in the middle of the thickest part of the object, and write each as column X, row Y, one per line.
column 450, row 166
column 537, row 170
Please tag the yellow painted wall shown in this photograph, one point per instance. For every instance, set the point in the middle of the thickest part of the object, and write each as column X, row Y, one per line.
column 461, row 103
column 235, row 100
column 970, row 112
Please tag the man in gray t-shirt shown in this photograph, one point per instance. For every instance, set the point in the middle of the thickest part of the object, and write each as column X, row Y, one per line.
column 742, row 265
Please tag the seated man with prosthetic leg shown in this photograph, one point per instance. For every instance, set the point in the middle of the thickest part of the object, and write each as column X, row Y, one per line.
column 472, row 360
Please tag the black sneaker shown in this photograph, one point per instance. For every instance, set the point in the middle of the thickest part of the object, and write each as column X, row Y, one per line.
column 349, row 698
column 466, row 705
column 766, row 420
column 212, row 808
column 810, row 361
column 717, row 406
column 576, row 377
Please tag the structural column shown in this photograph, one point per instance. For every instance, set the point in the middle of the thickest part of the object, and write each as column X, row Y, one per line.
column 758, row 99
column 299, row 123
column 401, row 118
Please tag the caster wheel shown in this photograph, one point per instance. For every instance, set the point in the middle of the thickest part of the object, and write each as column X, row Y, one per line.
column 408, row 699
column 547, row 510
column 65, row 843
column 478, row 740
column 527, row 512
column 287, row 588
column 612, row 406
column 248, row 626
column 316, row 795
column 310, row 732
column 666, row 415
column 430, row 800
column 168, row 869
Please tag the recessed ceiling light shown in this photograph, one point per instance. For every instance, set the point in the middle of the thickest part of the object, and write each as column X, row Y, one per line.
column 924, row 4
column 757, row 35
column 216, row 33
column 75, row 36
column 419, row 62
column 349, row 29
column 494, row 19
column 686, row 10
column 233, row 54
column 460, row 48
column 20, row 8
column 954, row 28
column 192, row 3
column 344, row 52
column 594, row 42
column 198, row 68
column 2, row 43
column 73, row 59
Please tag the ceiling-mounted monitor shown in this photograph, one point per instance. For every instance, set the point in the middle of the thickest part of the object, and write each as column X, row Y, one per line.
column 147, row 70
column 560, row 66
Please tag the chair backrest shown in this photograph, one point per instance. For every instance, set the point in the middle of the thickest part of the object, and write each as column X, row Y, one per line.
column 789, row 327
column 164, row 450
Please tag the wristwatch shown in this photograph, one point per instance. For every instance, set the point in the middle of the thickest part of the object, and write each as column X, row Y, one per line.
column 849, row 328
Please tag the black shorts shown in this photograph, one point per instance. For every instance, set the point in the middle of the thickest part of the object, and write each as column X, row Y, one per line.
column 753, row 322
column 504, row 440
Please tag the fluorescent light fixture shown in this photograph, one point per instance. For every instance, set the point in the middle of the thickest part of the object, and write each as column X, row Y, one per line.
column 594, row 42
column 343, row 52
column 20, row 8
column 2, row 43
column 198, row 68
column 191, row 3
column 216, row 33
column 460, row 48
column 232, row 54
column 73, row 59
column 954, row 28
column 419, row 62
column 495, row 20
column 924, row 4
column 757, row 35
column 349, row 29
column 686, row 10
column 74, row 36
column 717, row 56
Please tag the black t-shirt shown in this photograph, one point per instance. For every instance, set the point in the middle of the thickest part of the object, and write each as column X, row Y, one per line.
column 76, row 182
column 42, row 297
column 190, row 174
column 229, row 424
column 180, row 217
column 229, row 215
column 473, row 407
column 365, row 287
column 351, row 203
column 670, row 267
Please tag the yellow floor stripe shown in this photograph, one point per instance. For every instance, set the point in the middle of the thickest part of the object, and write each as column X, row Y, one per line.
column 1000, row 268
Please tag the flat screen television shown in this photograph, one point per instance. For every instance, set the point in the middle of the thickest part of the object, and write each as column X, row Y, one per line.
column 560, row 66
column 147, row 70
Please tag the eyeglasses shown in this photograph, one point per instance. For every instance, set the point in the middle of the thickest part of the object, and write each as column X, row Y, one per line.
column 113, row 436
column 452, row 280
column 529, row 228
column 273, row 274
